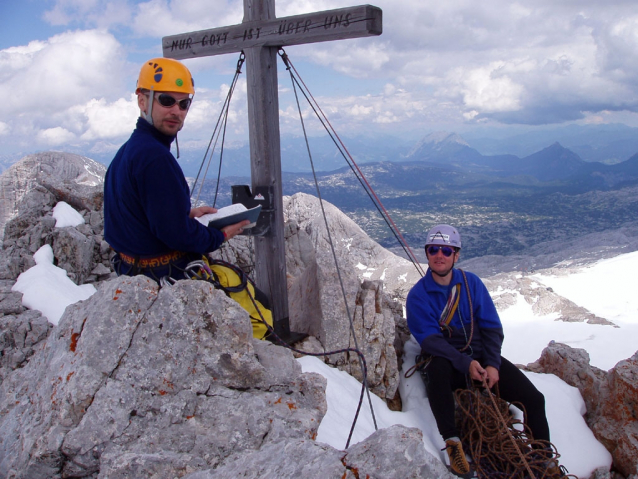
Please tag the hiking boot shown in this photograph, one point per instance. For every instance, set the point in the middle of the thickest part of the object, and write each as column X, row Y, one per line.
column 458, row 461
column 554, row 469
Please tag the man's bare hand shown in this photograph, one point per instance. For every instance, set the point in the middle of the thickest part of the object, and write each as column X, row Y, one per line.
column 489, row 374
column 201, row 211
column 492, row 376
column 477, row 372
column 233, row 230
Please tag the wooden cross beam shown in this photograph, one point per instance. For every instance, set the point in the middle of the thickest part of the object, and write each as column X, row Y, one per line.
column 260, row 35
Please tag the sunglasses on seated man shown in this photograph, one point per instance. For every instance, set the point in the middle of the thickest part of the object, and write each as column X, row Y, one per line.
column 446, row 250
column 168, row 101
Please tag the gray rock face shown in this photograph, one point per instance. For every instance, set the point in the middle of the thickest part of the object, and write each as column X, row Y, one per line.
column 393, row 452
column 74, row 179
column 353, row 246
column 316, row 297
column 610, row 398
column 136, row 382
column 21, row 332
column 30, row 189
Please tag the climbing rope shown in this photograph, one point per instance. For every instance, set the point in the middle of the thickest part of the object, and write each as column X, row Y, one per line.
column 334, row 256
column 501, row 446
column 323, row 119
column 223, row 116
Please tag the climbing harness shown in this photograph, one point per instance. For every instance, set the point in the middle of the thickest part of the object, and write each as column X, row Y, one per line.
column 423, row 360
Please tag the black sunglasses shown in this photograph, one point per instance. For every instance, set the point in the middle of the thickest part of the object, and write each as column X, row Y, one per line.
column 168, row 101
column 446, row 250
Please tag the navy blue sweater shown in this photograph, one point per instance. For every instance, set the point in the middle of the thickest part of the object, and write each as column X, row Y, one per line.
column 424, row 305
column 147, row 200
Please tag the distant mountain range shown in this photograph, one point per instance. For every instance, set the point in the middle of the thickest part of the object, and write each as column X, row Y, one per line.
column 607, row 143
column 547, row 165
column 504, row 203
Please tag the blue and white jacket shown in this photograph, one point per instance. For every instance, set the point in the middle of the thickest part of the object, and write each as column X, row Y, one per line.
column 424, row 306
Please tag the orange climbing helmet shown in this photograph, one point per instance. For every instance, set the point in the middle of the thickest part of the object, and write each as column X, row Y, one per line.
column 166, row 74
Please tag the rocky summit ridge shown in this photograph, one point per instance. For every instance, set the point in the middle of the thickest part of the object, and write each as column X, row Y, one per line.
column 139, row 381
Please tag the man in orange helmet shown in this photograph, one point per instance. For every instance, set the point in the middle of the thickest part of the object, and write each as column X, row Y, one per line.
column 148, row 219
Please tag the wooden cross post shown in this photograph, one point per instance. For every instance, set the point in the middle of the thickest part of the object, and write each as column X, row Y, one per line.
column 260, row 36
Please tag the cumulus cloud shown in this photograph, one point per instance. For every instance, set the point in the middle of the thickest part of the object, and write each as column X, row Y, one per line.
column 516, row 63
column 55, row 136
column 159, row 18
column 94, row 13
column 437, row 63
column 65, row 89
column 67, row 69
column 109, row 120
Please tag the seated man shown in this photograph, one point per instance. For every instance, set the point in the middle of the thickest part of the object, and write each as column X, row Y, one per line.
column 148, row 219
column 463, row 340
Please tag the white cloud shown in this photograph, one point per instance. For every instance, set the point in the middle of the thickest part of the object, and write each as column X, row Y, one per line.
column 50, row 89
column 161, row 17
column 488, row 90
column 109, row 120
column 444, row 63
column 93, row 13
column 66, row 70
column 55, row 136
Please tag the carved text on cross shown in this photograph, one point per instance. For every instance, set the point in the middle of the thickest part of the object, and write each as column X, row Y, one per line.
column 353, row 22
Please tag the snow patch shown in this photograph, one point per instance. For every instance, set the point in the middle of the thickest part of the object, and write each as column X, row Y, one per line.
column 47, row 288
column 66, row 215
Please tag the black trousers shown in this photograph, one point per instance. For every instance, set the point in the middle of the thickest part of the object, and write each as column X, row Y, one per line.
column 443, row 379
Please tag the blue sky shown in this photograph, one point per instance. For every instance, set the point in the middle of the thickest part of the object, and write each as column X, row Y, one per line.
column 68, row 69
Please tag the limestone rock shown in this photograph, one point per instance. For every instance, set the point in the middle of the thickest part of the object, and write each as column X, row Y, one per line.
column 20, row 336
column 238, row 251
column 136, row 382
column 318, row 308
column 34, row 220
column 544, row 300
column 617, row 426
column 10, row 301
column 397, row 451
column 374, row 324
column 74, row 179
column 32, row 187
column 74, row 253
column 610, row 397
column 572, row 366
column 352, row 244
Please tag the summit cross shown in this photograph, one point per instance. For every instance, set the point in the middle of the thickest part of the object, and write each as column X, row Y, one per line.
column 260, row 35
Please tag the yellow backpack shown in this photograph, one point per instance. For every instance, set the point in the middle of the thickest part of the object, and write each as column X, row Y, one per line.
column 236, row 284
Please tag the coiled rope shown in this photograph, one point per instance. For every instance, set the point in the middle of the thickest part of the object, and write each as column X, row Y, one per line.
column 500, row 445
